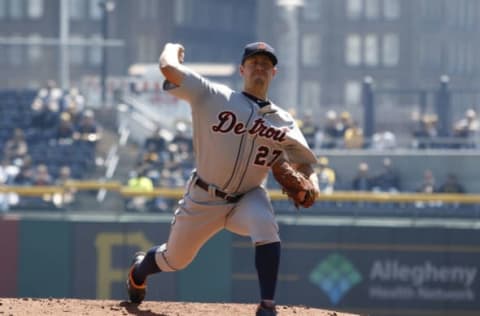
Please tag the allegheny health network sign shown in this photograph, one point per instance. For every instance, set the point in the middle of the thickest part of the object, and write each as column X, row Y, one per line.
column 387, row 271
column 424, row 281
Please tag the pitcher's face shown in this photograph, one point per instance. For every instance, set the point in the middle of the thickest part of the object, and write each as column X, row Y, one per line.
column 257, row 70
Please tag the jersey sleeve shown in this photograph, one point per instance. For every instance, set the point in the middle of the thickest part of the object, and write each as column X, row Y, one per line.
column 194, row 88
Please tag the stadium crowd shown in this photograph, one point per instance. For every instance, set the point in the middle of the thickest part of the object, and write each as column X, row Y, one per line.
column 166, row 159
column 48, row 137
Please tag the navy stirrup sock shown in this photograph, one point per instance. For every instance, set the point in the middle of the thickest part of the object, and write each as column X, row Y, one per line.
column 146, row 267
column 267, row 260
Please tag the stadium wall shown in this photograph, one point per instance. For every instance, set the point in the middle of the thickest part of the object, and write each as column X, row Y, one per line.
column 388, row 268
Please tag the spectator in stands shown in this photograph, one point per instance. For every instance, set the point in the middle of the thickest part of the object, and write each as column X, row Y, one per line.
column 50, row 93
column 346, row 122
column 451, row 185
column 150, row 157
column 362, row 180
column 467, row 128
column 428, row 184
column 45, row 114
column 384, row 140
column 42, row 176
column 25, row 173
column 8, row 171
column 183, row 135
column 16, row 147
column 353, row 137
column 426, row 131
column 330, row 134
column 141, row 183
column 156, row 141
column 75, row 113
column 87, row 129
column 388, row 179
column 309, row 129
column 65, row 130
column 326, row 176
column 38, row 114
column 66, row 198
column 73, row 97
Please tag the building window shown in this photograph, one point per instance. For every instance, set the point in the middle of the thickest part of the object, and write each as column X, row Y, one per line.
column 35, row 9
column 311, row 48
column 353, row 53
column 354, row 9
column 95, row 50
column 34, row 49
column 372, row 9
column 391, row 50
column 391, row 9
column 353, row 92
column 16, row 9
column 312, row 10
column 311, row 94
column 95, row 11
column 371, row 50
column 77, row 9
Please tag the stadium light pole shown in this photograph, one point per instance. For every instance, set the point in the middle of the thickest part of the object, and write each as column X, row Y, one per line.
column 107, row 6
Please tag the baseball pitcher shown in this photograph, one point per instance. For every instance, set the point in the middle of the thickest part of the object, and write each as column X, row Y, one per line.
column 238, row 138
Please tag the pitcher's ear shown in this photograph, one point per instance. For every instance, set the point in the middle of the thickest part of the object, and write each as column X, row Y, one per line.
column 241, row 69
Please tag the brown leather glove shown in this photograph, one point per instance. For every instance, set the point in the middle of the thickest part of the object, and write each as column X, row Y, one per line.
column 295, row 184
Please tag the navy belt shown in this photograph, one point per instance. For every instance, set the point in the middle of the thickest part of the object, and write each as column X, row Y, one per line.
column 227, row 197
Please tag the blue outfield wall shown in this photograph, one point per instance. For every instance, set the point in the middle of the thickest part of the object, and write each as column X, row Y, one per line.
column 369, row 268
column 373, row 270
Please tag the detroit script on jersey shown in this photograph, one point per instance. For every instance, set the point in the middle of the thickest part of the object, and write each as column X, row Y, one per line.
column 276, row 126
column 227, row 122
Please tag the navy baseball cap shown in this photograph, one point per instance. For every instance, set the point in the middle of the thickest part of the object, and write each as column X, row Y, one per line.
column 259, row 48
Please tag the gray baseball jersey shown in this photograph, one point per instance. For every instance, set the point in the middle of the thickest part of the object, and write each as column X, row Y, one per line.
column 235, row 142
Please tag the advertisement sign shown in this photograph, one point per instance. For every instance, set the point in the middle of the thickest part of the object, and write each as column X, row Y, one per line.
column 373, row 270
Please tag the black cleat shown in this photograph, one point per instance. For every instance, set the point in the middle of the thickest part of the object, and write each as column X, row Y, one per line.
column 136, row 293
column 263, row 310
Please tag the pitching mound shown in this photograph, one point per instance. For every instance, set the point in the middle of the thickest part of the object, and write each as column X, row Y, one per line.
column 74, row 307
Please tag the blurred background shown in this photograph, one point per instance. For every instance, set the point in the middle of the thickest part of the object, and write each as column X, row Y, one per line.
column 94, row 155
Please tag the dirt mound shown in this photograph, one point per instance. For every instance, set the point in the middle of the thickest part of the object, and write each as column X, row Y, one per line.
column 74, row 307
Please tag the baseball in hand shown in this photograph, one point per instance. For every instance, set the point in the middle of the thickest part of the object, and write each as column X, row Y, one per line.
column 181, row 54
